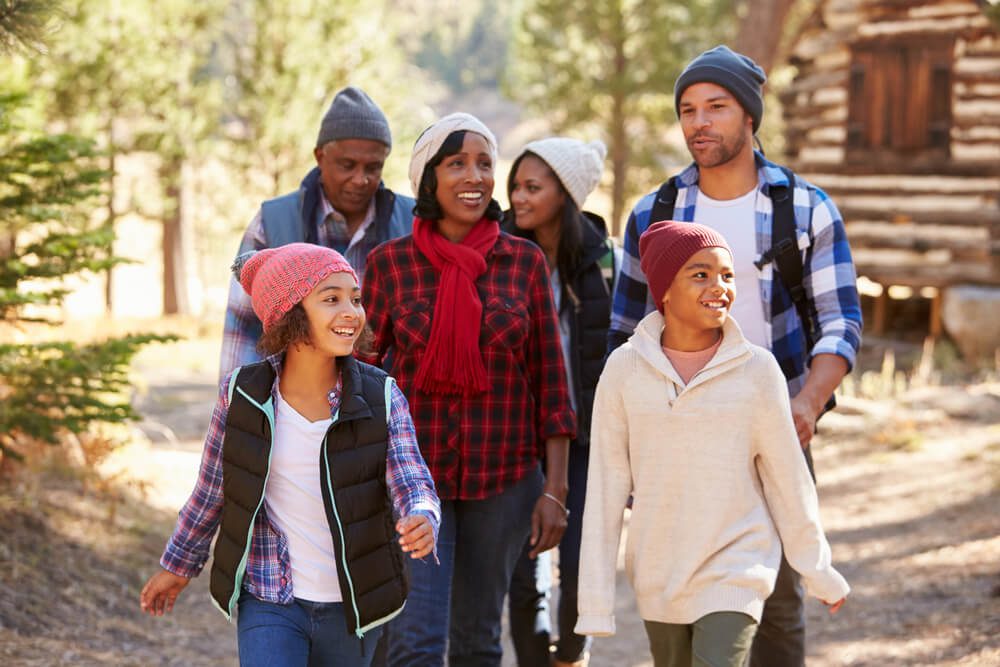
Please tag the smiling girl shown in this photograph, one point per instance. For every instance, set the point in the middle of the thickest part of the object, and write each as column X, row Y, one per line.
column 694, row 422
column 462, row 315
column 311, row 475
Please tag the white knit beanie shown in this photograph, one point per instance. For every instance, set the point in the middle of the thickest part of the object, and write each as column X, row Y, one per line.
column 578, row 165
column 429, row 143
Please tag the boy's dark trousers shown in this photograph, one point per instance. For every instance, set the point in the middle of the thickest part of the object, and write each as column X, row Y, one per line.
column 781, row 637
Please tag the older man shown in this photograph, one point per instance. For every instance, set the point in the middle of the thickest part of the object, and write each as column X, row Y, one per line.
column 341, row 203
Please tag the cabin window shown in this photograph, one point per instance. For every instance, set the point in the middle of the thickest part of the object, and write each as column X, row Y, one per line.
column 899, row 97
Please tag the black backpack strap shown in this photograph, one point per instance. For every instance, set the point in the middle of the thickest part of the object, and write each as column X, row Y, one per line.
column 663, row 205
column 784, row 250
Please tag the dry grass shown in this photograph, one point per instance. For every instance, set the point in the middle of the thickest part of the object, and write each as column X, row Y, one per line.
column 72, row 562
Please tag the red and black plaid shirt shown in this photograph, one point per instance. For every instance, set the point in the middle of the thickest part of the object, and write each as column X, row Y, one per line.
column 475, row 447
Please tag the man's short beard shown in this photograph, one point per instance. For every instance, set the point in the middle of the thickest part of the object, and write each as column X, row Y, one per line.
column 722, row 153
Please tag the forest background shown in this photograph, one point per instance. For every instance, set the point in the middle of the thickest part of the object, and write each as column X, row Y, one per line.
column 138, row 138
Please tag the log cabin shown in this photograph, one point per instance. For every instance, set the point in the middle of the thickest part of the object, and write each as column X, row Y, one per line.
column 895, row 112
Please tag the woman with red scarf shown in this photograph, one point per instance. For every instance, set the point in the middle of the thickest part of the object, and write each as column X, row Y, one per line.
column 463, row 318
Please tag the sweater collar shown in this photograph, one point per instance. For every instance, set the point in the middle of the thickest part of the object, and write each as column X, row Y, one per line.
column 734, row 350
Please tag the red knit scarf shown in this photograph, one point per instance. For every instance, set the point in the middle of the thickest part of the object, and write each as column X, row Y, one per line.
column 452, row 363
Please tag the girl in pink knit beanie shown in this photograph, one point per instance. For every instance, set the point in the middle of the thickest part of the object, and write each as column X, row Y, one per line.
column 311, row 476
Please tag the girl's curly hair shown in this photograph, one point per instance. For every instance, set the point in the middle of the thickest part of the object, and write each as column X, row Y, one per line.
column 293, row 327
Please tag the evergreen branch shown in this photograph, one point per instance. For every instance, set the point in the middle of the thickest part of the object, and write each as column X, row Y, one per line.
column 24, row 24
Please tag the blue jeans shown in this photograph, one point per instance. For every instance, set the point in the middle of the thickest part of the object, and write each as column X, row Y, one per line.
column 302, row 634
column 530, row 626
column 456, row 607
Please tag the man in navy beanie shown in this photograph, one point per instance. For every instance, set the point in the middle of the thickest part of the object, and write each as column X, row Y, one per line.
column 341, row 204
column 798, row 298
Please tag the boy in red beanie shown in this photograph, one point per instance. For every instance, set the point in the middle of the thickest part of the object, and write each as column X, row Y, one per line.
column 693, row 421
column 311, row 475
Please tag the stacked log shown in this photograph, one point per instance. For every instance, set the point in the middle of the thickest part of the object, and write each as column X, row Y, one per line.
column 928, row 218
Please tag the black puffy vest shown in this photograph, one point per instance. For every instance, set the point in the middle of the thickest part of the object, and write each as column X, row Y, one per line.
column 370, row 565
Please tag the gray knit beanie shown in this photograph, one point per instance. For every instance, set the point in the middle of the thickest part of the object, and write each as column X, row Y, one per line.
column 353, row 115
column 576, row 164
column 735, row 72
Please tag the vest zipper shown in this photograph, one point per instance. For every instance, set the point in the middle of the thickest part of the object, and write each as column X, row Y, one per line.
column 360, row 631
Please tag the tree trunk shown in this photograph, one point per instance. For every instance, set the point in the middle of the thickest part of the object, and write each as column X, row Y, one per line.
column 760, row 30
column 617, row 133
column 175, row 296
column 112, row 216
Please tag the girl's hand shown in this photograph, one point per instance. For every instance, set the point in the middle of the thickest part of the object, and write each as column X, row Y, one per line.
column 161, row 591
column 548, row 523
column 835, row 606
column 416, row 535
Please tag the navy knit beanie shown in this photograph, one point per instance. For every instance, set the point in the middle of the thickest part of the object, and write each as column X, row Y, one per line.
column 735, row 72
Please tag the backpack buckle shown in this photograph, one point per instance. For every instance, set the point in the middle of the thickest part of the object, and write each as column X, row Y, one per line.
column 784, row 246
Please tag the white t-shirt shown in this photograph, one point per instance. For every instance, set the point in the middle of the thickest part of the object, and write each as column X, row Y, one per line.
column 735, row 220
column 294, row 500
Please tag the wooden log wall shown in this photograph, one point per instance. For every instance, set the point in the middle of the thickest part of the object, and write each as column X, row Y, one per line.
column 930, row 220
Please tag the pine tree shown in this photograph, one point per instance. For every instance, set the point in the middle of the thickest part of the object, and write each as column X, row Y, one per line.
column 608, row 67
column 48, row 184
column 24, row 24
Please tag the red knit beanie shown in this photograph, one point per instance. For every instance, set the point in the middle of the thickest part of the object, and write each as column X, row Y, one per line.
column 278, row 278
column 666, row 246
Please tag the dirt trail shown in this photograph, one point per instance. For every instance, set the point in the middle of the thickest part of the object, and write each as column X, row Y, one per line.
column 910, row 494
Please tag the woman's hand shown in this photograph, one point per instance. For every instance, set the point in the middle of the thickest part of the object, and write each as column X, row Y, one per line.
column 161, row 591
column 416, row 535
column 548, row 523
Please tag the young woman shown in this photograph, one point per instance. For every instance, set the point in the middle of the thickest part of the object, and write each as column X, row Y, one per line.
column 464, row 315
column 694, row 422
column 311, row 468
column 548, row 184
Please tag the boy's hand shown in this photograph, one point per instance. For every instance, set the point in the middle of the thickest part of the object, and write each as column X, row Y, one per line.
column 835, row 606
column 161, row 591
column 416, row 535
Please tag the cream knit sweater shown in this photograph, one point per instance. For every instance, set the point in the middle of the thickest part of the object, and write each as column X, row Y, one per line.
column 716, row 475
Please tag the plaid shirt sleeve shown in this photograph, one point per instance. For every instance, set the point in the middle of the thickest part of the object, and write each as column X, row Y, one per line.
column 188, row 547
column 242, row 329
column 545, row 360
column 410, row 483
column 831, row 282
column 631, row 299
column 375, row 298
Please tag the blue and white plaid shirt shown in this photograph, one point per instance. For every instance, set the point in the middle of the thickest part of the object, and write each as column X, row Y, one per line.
column 828, row 274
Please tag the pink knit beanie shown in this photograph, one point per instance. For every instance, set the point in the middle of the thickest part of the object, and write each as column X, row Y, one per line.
column 278, row 278
column 666, row 246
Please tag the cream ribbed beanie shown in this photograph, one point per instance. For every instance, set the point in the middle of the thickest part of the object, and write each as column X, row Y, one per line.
column 429, row 143
column 578, row 165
